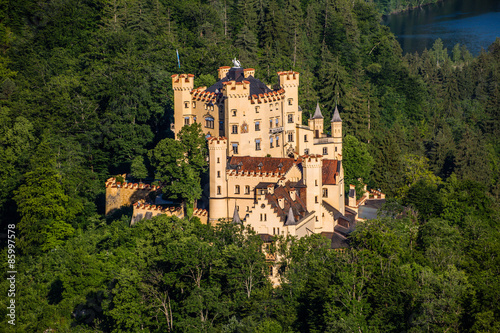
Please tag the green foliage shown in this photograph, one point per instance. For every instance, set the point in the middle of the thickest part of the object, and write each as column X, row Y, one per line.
column 138, row 168
column 357, row 163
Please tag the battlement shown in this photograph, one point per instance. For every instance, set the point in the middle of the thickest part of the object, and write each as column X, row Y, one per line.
column 214, row 141
column 374, row 194
column 182, row 81
column 122, row 194
column 223, row 71
column 306, row 159
column 289, row 79
column 249, row 72
column 236, row 89
column 200, row 94
column 272, row 96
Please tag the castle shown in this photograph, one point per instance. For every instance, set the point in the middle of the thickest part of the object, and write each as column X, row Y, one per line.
column 300, row 190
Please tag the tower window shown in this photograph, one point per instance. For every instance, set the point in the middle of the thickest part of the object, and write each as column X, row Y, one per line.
column 234, row 129
column 209, row 122
column 247, row 190
column 335, row 149
column 290, row 101
column 325, row 151
column 218, row 190
column 218, row 174
column 237, row 189
column 305, row 138
column 186, row 105
column 194, row 104
column 257, row 109
column 290, row 118
column 218, row 159
column 233, row 112
column 186, row 120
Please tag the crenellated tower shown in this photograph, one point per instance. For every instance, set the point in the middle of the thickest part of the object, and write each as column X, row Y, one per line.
column 312, row 175
column 182, row 85
column 217, row 155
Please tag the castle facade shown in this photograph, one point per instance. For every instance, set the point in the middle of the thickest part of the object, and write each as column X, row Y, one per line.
column 300, row 189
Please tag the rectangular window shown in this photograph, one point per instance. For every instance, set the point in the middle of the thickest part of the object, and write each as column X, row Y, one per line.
column 186, row 105
column 261, row 217
column 233, row 112
column 218, row 174
column 335, row 149
column 316, row 199
column 277, row 141
column 325, row 193
column 209, row 122
column 270, row 123
column 237, row 189
column 257, row 109
column 290, row 137
column 257, row 126
column 305, row 138
column 325, row 151
column 290, row 101
column 290, row 118
column 194, row 104
column 277, row 122
column 234, row 129
column 235, row 148
column 271, row 142
column 218, row 190
column 257, row 144
column 186, row 120
column 218, row 159
column 306, row 151
column 247, row 190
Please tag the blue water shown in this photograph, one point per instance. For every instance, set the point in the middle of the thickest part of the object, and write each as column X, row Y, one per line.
column 475, row 23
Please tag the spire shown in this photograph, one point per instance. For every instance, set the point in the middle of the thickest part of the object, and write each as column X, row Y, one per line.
column 317, row 113
column 336, row 116
column 290, row 219
column 236, row 216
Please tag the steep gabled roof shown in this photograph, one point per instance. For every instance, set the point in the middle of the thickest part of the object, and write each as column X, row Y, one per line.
column 297, row 206
column 330, row 171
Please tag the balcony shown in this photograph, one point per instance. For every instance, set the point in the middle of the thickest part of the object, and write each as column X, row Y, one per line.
column 276, row 130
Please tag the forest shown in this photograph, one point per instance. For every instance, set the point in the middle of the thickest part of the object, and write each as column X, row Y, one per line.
column 85, row 90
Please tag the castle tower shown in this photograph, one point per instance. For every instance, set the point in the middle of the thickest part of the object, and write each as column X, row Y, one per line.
column 316, row 122
column 337, row 134
column 182, row 84
column 291, row 113
column 312, row 174
column 217, row 155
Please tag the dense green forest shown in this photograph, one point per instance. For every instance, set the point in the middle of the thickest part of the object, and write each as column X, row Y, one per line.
column 85, row 90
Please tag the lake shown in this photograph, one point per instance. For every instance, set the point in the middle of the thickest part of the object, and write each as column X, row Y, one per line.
column 475, row 23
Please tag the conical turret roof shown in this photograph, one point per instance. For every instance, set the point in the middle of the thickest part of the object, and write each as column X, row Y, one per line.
column 336, row 116
column 290, row 219
column 236, row 216
column 317, row 113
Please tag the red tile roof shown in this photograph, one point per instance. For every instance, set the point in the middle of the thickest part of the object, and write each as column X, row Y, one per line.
column 267, row 164
column 330, row 172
